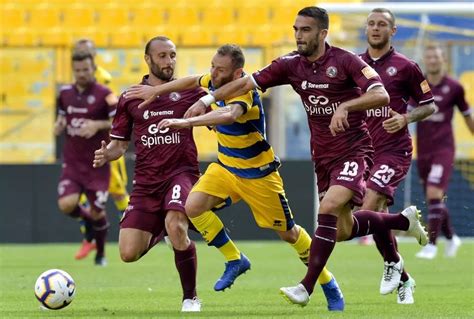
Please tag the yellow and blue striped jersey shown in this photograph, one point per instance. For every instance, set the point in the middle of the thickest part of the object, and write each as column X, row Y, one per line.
column 242, row 146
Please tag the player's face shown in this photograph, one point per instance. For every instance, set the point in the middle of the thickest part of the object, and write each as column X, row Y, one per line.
column 308, row 35
column 433, row 60
column 161, row 59
column 222, row 70
column 379, row 30
column 83, row 72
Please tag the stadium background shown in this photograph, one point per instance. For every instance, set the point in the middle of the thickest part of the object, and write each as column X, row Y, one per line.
column 36, row 38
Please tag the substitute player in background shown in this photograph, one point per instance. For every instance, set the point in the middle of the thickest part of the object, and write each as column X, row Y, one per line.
column 330, row 82
column 247, row 169
column 436, row 149
column 166, row 168
column 85, row 109
column 388, row 127
column 118, row 170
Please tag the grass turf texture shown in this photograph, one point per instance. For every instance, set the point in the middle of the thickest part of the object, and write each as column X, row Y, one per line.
column 150, row 287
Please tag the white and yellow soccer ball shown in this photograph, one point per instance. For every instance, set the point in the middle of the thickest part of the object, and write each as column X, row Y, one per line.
column 55, row 289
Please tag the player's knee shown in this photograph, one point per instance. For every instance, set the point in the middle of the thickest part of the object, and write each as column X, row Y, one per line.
column 434, row 193
column 129, row 254
column 66, row 206
column 330, row 206
column 290, row 236
column 193, row 209
column 97, row 213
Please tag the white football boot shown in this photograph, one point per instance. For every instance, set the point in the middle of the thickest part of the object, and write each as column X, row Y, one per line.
column 392, row 272
column 415, row 228
column 296, row 295
column 452, row 247
column 406, row 291
column 191, row 305
column 427, row 252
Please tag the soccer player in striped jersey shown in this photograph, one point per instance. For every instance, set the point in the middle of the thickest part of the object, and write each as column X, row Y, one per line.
column 118, row 170
column 247, row 169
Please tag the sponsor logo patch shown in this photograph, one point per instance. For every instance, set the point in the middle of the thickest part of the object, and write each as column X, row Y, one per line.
column 425, row 87
column 368, row 72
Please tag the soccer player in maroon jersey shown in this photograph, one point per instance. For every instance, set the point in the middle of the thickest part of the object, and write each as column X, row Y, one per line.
column 436, row 149
column 336, row 87
column 166, row 168
column 388, row 127
column 85, row 109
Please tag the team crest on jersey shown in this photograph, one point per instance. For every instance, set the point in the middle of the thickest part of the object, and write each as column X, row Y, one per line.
column 331, row 71
column 175, row 96
column 91, row 99
column 146, row 115
column 391, row 71
column 445, row 89
column 368, row 72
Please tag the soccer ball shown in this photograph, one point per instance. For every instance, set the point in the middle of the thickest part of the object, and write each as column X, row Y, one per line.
column 55, row 289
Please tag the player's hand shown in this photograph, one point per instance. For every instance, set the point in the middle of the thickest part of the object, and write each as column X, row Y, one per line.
column 198, row 108
column 339, row 121
column 396, row 122
column 59, row 126
column 100, row 156
column 174, row 123
column 88, row 129
column 144, row 92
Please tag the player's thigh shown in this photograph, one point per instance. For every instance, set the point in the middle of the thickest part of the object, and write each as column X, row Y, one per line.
column 118, row 181
column 344, row 223
column 68, row 193
column 133, row 242
column 267, row 200
column 68, row 203
column 374, row 200
column 440, row 171
column 335, row 200
column 217, row 187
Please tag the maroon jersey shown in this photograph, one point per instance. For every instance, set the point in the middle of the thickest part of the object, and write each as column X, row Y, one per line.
column 403, row 80
column 77, row 107
column 161, row 154
column 435, row 133
column 323, row 85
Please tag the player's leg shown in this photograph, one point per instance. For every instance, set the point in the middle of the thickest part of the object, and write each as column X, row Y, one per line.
column 185, row 258
column 215, row 189
column 133, row 243
column 118, row 183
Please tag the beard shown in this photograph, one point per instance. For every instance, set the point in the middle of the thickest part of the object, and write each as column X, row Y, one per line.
column 164, row 74
column 223, row 81
column 309, row 49
column 378, row 45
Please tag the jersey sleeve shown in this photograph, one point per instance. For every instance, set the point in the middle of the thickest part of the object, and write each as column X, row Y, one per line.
column 461, row 102
column 245, row 101
column 60, row 107
column 274, row 74
column 419, row 88
column 362, row 74
column 122, row 124
column 205, row 81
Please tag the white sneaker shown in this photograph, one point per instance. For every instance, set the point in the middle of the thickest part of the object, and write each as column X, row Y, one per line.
column 295, row 295
column 392, row 272
column 428, row 252
column 191, row 305
column 452, row 247
column 415, row 228
column 406, row 291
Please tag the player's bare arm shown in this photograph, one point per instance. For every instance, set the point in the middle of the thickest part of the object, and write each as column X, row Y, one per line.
column 375, row 97
column 227, row 91
column 148, row 93
column 59, row 125
column 114, row 150
column 398, row 121
column 221, row 116
column 90, row 127
column 469, row 119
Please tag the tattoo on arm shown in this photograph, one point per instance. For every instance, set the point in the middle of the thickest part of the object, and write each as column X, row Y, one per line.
column 421, row 112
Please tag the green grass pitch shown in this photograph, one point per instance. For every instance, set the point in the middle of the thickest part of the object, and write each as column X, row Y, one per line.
column 150, row 287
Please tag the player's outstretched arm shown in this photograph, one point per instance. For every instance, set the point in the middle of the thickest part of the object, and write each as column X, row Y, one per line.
column 373, row 98
column 149, row 93
column 469, row 119
column 110, row 152
column 59, row 125
column 90, row 127
column 230, row 90
column 221, row 116
column 398, row 121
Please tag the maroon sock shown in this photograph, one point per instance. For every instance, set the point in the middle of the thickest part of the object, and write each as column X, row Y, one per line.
column 435, row 219
column 369, row 222
column 186, row 264
column 100, row 227
column 446, row 226
column 322, row 245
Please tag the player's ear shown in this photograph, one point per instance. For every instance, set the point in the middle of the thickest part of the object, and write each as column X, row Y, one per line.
column 147, row 59
column 323, row 34
column 394, row 30
column 238, row 73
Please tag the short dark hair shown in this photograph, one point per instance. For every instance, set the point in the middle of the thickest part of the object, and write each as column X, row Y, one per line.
column 385, row 10
column 235, row 53
column 158, row 38
column 318, row 14
column 81, row 56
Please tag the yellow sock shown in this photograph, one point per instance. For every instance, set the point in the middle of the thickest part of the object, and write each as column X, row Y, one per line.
column 122, row 203
column 213, row 232
column 302, row 247
column 83, row 199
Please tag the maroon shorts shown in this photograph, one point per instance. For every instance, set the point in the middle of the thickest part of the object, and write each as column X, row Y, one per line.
column 94, row 184
column 147, row 211
column 388, row 171
column 348, row 172
column 436, row 169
